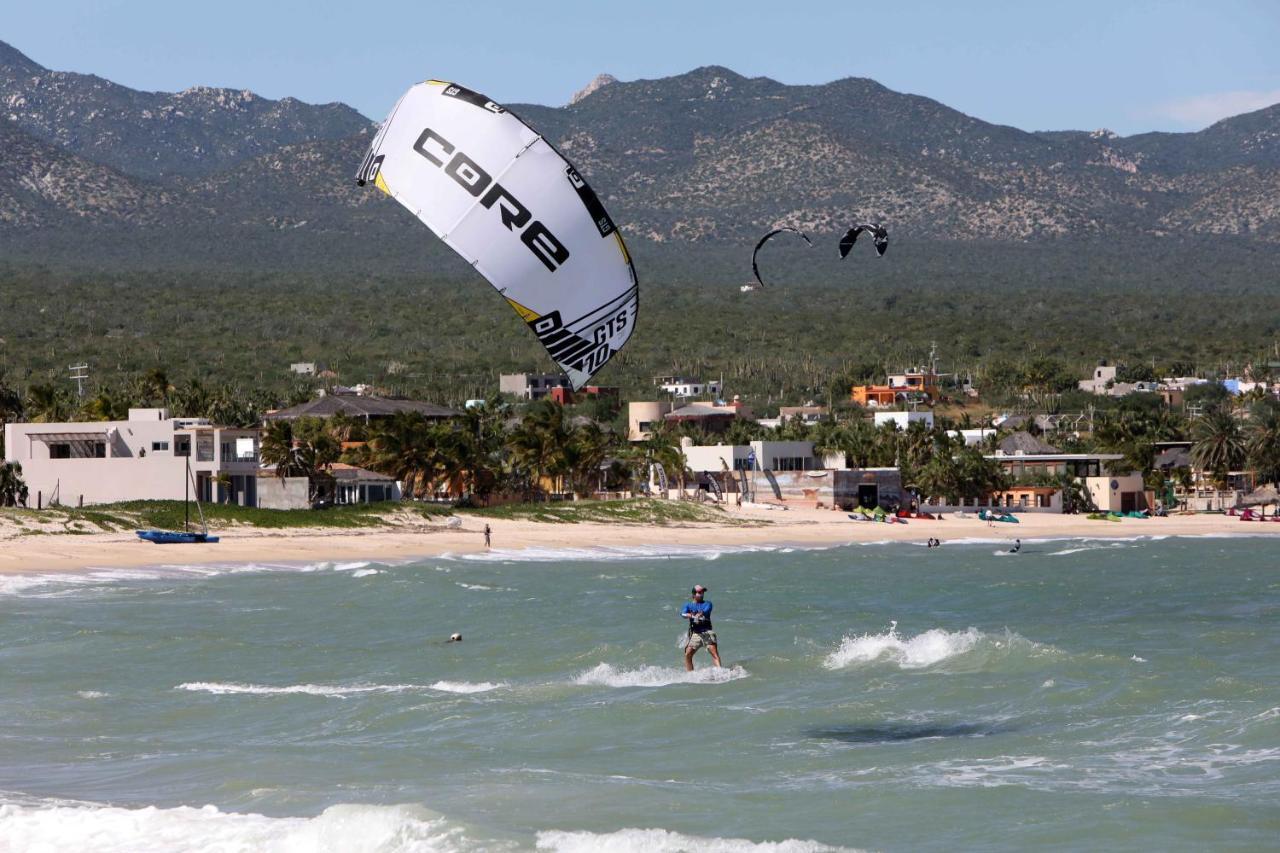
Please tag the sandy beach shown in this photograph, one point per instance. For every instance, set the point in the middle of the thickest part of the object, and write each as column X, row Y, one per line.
column 24, row 553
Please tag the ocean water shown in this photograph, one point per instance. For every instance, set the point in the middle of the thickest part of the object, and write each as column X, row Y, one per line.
column 1120, row 695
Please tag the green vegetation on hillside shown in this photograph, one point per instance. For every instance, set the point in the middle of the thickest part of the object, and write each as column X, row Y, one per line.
column 994, row 311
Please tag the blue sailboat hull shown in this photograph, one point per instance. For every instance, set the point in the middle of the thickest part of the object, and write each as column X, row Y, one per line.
column 173, row 537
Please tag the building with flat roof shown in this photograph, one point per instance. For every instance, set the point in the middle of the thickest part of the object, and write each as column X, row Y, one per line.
column 683, row 386
column 532, row 386
column 902, row 420
column 142, row 458
column 919, row 385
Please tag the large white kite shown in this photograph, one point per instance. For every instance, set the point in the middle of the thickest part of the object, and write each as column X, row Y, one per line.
column 502, row 197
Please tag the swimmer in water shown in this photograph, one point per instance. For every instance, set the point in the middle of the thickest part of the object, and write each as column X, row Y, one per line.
column 1017, row 546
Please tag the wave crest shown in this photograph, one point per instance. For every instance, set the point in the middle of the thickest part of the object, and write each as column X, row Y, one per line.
column 607, row 675
column 341, row 827
column 665, row 841
column 928, row 648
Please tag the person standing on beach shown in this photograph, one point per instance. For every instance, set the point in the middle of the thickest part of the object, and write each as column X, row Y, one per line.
column 487, row 539
column 698, row 612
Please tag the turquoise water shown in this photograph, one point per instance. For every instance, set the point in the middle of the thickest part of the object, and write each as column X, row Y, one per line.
column 1082, row 694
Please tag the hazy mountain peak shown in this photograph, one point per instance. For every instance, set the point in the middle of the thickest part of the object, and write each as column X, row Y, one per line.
column 11, row 57
column 600, row 81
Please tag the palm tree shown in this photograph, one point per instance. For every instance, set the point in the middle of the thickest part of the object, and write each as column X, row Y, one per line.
column 537, row 445
column 1263, row 441
column 46, row 404
column 10, row 404
column 405, row 446
column 278, row 449
column 586, row 451
column 13, row 491
column 1219, row 444
column 154, row 387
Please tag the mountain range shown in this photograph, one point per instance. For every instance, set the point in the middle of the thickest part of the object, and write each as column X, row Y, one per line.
column 707, row 156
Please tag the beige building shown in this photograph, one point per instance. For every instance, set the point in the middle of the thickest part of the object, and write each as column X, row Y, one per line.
column 142, row 458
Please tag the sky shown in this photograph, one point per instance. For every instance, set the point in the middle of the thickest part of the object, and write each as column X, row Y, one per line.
column 1130, row 66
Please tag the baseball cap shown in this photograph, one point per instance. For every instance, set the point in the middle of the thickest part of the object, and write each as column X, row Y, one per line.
column 699, row 588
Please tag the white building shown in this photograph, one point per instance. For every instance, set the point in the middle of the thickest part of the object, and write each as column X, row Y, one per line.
column 756, row 456
column 1097, row 384
column 973, row 437
column 682, row 386
column 531, row 386
column 902, row 420
column 142, row 458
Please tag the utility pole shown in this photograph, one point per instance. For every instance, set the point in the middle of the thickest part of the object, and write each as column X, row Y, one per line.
column 79, row 372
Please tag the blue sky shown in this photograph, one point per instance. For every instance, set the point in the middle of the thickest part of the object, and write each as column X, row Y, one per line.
column 1131, row 65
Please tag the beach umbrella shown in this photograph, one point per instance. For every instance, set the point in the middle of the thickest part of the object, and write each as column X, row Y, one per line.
column 1263, row 496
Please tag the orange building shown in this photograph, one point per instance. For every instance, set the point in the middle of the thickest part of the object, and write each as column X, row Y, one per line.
column 914, row 384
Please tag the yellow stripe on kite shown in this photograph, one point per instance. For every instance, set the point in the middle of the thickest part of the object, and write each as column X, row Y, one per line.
column 526, row 314
column 626, row 256
column 380, row 183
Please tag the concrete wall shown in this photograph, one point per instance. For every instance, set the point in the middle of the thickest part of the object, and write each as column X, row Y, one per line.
column 904, row 419
column 1108, row 492
column 287, row 493
column 720, row 457
column 642, row 416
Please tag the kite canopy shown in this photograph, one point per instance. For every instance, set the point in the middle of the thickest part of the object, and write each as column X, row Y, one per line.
column 508, row 202
column 877, row 232
column 756, row 251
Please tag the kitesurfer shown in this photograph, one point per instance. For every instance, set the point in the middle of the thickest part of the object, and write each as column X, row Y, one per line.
column 698, row 612
column 1017, row 546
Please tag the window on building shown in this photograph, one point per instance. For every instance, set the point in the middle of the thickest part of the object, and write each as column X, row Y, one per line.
column 159, row 445
column 59, row 451
column 788, row 463
column 182, row 446
column 742, row 464
column 1022, row 501
column 226, row 452
column 99, row 450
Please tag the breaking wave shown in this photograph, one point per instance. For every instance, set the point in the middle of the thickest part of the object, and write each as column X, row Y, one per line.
column 334, row 691
column 929, row 648
column 607, row 675
column 664, row 841
column 356, row 828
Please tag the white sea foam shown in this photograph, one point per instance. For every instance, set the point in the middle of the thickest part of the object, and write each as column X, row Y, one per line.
column 926, row 649
column 336, row 691
column 614, row 552
column 466, row 686
column 364, row 573
column 608, row 675
column 657, row 840
column 664, row 841
column 56, row 584
column 107, row 829
column 92, row 694
column 933, row 646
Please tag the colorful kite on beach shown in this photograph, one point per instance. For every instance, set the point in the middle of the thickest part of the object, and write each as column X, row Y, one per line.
column 502, row 197
column 756, row 269
column 877, row 232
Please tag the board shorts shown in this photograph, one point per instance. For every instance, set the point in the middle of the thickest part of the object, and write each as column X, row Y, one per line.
column 697, row 641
